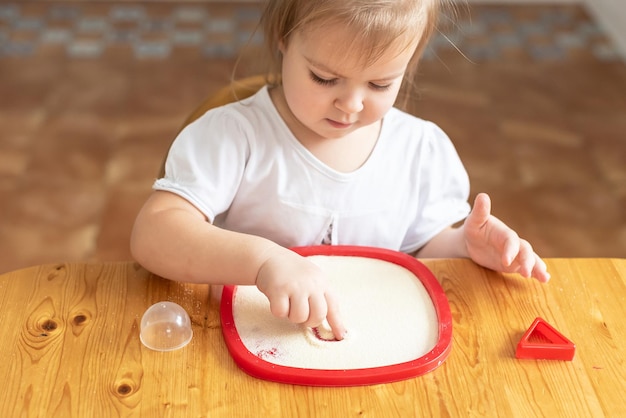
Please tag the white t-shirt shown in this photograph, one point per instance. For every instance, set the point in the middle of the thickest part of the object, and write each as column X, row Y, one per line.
column 242, row 167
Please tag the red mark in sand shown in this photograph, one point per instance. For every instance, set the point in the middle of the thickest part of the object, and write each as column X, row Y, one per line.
column 323, row 336
column 269, row 353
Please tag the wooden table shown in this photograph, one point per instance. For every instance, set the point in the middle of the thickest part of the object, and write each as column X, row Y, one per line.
column 69, row 341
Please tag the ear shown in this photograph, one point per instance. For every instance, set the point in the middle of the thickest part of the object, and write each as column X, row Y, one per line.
column 282, row 46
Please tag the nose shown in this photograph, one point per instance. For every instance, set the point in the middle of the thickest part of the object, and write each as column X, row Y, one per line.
column 350, row 101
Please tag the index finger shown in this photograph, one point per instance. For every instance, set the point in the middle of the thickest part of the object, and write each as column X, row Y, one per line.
column 334, row 318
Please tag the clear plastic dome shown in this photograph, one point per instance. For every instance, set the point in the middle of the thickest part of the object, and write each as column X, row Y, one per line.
column 165, row 326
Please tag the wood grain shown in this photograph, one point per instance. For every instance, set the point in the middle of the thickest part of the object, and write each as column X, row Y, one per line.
column 69, row 341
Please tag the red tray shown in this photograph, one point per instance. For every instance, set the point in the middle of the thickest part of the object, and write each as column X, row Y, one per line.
column 263, row 369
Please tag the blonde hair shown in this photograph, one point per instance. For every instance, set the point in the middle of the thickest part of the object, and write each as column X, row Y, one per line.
column 377, row 24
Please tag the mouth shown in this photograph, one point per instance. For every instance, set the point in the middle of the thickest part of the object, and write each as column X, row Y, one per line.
column 340, row 125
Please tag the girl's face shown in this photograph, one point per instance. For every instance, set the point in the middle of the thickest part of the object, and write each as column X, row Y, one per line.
column 328, row 91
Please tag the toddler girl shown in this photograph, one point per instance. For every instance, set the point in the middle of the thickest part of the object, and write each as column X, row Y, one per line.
column 320, row 156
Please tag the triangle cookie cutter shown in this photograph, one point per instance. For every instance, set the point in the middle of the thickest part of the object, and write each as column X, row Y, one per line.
column 543, row 341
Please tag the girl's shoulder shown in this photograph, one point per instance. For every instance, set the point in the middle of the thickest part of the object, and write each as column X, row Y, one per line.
column 400, row 124
column 249, row 124
column 256, row 110
column 398, row 116
column 258, row 101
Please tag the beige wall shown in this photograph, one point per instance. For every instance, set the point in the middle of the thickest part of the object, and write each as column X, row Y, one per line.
column 521, row 1
column 611, row 14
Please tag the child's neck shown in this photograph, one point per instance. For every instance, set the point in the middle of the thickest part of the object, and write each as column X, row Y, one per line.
column 344, row 154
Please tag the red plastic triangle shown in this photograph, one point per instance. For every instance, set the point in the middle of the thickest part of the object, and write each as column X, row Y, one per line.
column 543, row 341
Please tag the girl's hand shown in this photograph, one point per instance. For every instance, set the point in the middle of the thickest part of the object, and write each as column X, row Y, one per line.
column 297, row 289
column 494, row 245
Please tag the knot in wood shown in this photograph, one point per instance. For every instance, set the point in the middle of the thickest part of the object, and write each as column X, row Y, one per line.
column 124, row 389
column 79, row 319
column 49, row 325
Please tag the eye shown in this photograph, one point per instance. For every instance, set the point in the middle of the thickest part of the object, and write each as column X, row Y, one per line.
column 320, row 80
column 379, row 87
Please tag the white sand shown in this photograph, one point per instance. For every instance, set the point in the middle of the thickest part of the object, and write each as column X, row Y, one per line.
column 389, row 315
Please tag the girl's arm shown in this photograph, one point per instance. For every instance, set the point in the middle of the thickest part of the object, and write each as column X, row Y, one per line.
column 489, row 242
column 173, row 239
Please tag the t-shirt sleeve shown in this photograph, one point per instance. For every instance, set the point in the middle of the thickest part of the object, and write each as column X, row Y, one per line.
column 443, row 189
column 206, row 162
